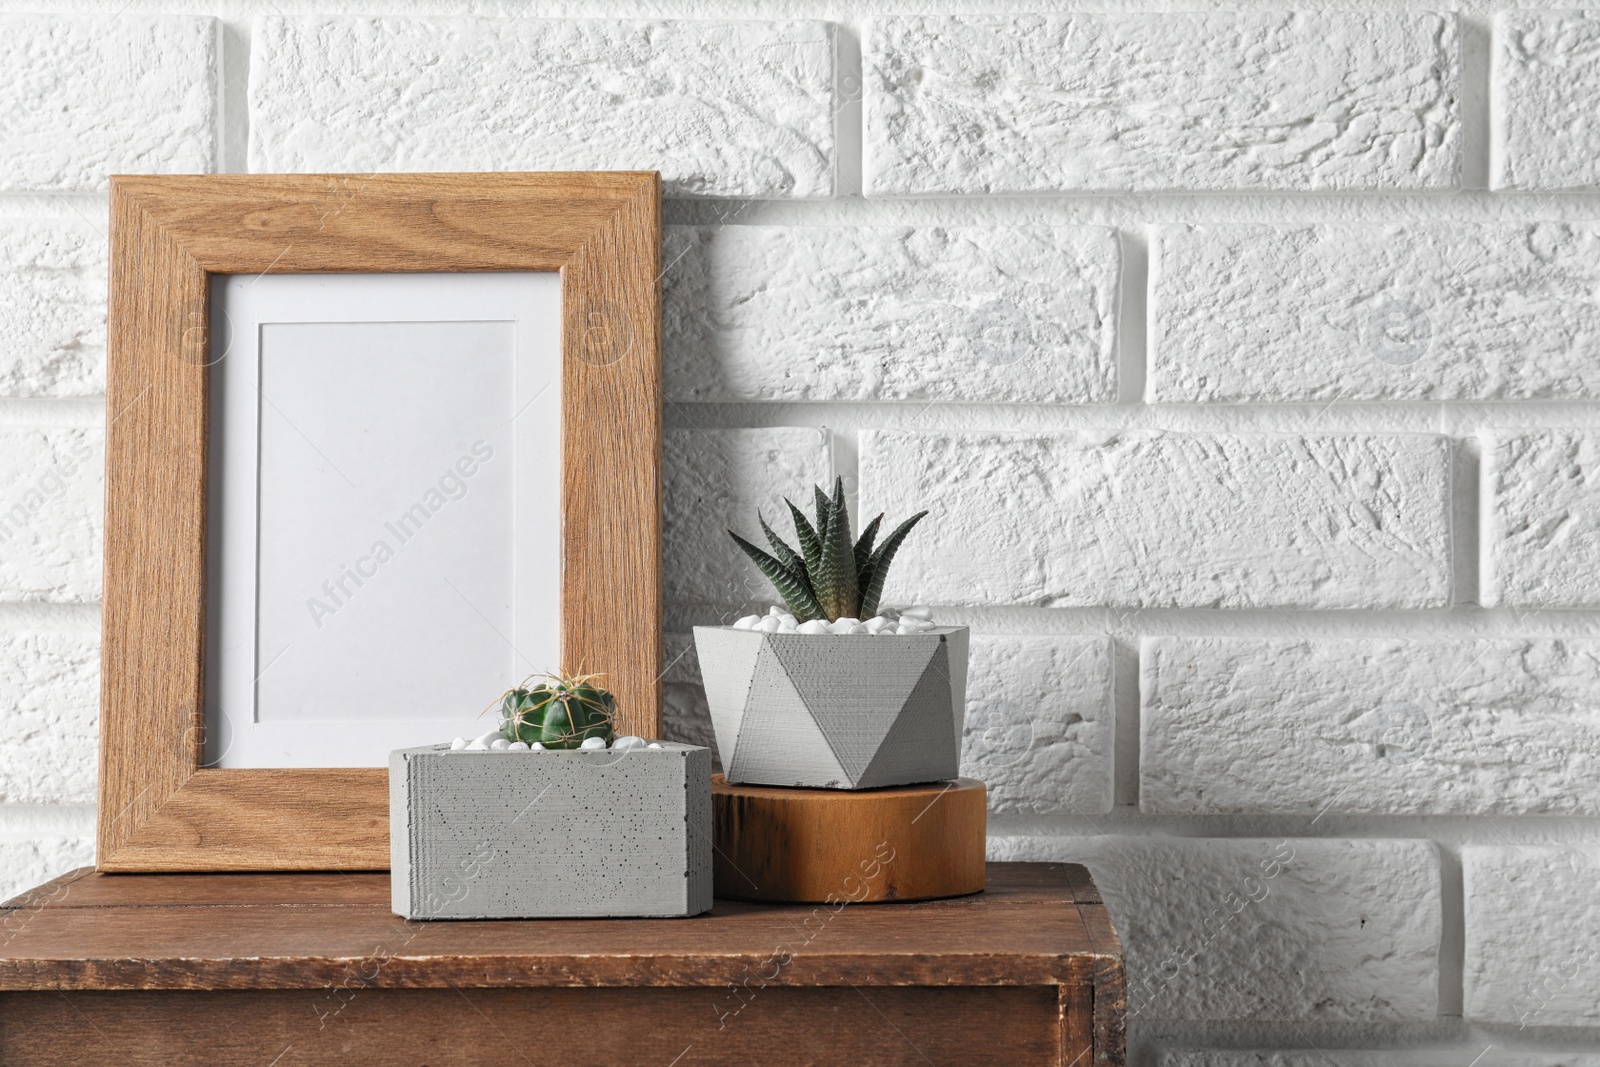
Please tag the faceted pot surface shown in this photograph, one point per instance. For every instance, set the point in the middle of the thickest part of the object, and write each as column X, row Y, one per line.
column 835, row 711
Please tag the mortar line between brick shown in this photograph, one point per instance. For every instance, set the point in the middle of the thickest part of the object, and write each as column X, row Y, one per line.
column 1452, row 931
column 233, row 105
column 1476, row 44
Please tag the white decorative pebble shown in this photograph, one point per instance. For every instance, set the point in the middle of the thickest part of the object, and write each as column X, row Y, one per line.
column 622, row 744
column 786, row 619
column 499, row 744
column 748, row 622
column 787, row 628
column 776, row 612
column 887, row 631
column 876, row 623
column 517, row 746
column 815, row 626
column 859, row 628
column 592, row 743
column 486, row 738
column 458, row 744
column 846, row 622
column 476, row 746
column 537, row 746
column 925, row 614
column 653, row 744
column 769, row 625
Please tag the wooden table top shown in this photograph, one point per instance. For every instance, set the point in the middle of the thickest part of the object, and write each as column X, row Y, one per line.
column 1035, row 924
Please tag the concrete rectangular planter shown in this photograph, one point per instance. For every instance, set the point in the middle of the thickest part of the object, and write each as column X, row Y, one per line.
column 835, row 711
column 556, row 834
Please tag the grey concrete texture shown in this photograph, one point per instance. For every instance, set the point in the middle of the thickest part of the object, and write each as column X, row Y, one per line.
column 553, row 834
column 835, row 711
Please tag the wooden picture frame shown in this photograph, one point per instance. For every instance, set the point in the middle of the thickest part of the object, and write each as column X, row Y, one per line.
column 159, row 809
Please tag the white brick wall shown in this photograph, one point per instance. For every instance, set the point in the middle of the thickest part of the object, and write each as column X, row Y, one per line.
column 1313, row 930
column 1040, row 728
column 720, row 108
column 1159, row 520
column 50, row 513
column 85, row 97
column 26, row 864
column 1190, row 101
column 1533, row 936
column 1390, row 726
column 1547, row 67
column 1006, row 314
column 1273, row 509
column 716, row 480
column 1452, row 311
column 50, row 693
column 1493, row 1057
column 1541, row 538
column 53, row 287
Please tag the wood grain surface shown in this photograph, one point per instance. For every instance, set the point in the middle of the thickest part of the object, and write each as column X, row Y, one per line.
column 905, row 843
column 216, row 968
column 158, row 809
column 251, row 931
column 778, row 1027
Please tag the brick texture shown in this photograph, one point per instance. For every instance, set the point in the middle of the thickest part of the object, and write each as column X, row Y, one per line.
column 25, row 864
column 50, row 514
column 49, row 703
column 86, row 97
column 1441, row 311
column 1327, row 930
column 720, row 108
column 1386, row 726
column 53, row 287
column 1040, row 728
column 1547, row 73
column 1181, row 101
column 1492, row 1057
column 997, row 313
column 1541, row 536
column 719, row 479
column 1166, row 519
column 1533, row 935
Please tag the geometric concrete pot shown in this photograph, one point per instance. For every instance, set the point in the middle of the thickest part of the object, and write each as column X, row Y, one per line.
column 553, row 834
column 835, row 711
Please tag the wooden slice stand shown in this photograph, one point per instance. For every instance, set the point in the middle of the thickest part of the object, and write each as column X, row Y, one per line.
column 831, row 845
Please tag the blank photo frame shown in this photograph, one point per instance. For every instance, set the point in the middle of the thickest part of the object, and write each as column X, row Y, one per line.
column 378, row 446
column 384, row 555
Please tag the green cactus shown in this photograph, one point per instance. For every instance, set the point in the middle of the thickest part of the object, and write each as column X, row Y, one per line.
column 561, row 711
column 830, row 577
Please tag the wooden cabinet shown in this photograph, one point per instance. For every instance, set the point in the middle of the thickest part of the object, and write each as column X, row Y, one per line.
column 283, row 970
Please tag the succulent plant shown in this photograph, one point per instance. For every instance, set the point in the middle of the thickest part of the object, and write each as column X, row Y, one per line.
column 560, row 711
column 831, row 576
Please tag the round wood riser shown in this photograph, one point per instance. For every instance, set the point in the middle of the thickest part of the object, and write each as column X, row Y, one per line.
column 916, row 842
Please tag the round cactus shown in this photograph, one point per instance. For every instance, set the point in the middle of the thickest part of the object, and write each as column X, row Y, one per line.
column 561, row 711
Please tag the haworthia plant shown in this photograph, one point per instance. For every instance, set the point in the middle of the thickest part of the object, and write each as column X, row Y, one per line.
column 833, row 575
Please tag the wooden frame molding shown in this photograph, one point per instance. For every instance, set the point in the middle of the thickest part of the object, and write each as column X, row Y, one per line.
column 159, row 809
